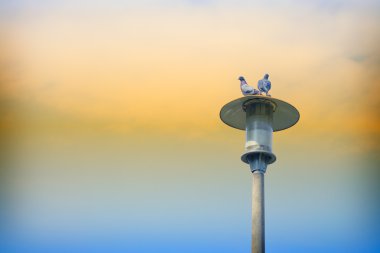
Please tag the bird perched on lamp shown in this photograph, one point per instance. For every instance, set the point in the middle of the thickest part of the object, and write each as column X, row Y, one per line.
column 264, row 85
column 246, row 89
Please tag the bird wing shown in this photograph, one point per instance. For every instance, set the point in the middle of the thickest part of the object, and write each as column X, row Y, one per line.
column 246, row 88
column 268, row 85
column 260, row 84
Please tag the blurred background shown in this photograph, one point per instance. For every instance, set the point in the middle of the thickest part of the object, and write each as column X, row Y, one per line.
column 111, row 139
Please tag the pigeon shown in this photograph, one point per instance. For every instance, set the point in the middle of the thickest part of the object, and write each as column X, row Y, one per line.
column 246, row 89
column 264, row 85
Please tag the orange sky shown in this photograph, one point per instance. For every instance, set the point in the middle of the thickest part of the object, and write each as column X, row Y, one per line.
column 175, row 69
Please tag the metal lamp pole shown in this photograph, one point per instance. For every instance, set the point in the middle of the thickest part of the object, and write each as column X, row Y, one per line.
column 259, row 116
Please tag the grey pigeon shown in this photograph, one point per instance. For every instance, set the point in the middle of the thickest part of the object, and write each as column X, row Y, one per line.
column 264, row 85
column 246, row 89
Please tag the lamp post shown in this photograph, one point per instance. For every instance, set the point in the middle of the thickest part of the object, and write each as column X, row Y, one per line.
column 259, row 116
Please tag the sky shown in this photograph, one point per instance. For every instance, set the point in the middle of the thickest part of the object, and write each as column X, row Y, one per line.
column 111, row 139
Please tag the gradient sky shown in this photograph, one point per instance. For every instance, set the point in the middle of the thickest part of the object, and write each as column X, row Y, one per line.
column 111, row 137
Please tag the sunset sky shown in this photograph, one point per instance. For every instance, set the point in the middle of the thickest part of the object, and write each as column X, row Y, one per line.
column 111, row 137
